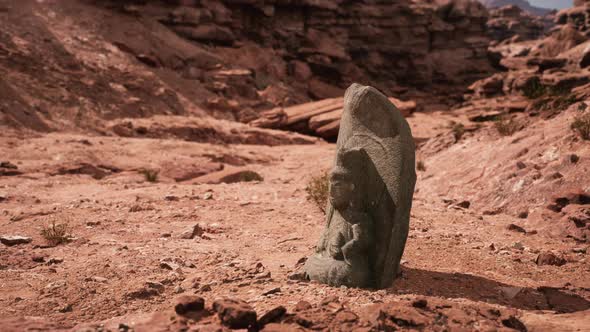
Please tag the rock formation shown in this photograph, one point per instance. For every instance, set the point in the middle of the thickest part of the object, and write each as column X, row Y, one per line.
column 523, row 4
column 371, row 189
column 511, row 21
column 261, row 54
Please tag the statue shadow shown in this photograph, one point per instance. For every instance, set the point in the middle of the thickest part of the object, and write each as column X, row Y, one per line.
column 476, row 288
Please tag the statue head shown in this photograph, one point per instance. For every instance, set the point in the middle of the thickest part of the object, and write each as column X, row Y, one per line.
column 346, row 179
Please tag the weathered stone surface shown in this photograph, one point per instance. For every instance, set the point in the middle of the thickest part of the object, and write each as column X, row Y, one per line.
column 371, row 188
column 235, row 314
column 12, row 240
column 188, row 303
column 230, row 175
column 549, row 258
column 510, row 21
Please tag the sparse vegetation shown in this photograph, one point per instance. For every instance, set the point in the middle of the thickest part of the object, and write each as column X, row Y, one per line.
column 56, row 234
column 534, row 89
column 150, row 175
column 318, row 189
column 549, row 98
column 507, row 126
column 248, row 176
column 581, row 125
column 420, row 166
column 458, row 130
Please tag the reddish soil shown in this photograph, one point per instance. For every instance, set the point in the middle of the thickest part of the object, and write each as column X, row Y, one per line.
column 499, row 228
column 127, row 234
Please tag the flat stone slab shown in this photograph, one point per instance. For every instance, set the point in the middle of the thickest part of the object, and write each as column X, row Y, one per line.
column 13, row 240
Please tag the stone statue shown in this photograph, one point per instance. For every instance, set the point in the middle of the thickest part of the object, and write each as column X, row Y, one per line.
column 371, row 189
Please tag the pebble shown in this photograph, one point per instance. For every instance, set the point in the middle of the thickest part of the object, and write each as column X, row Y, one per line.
column 99, row 279
column 13, row 240
column 190, row 234
column 517, row 246
column 549, row 258
column 235, row 314
column 516, row 228
column 171, row 198
column 272, row 291
column 188, row 303
column 272, row 316
column 55, row 260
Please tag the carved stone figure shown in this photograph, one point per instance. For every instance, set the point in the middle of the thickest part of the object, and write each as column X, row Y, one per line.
column 371, row 189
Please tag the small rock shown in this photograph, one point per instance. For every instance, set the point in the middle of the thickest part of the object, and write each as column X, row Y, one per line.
column 272, row 316
column 38, row 259
column 554, row 176
column 195, row 230
column 189, row 303
column 298, row 275
column 99, row 279
column 579, row 250
column 171, row 198
column 464, row 204
column 230, row 175
column 421, row 303
column 166, row 235
column 155, row 285
column 549, row 258
column 523, row 214
column 302, row 305
column 66, row 308
column 514, row 323
column 574, row 158
column 235, row 314
column 330, row 299
column 272, row 291
column 520, row 165
column 55, row 260
column 208, row 195
column 516, row 228
column 517, row 246
column 7, row 164
column 13, row 240
column 56, row 284
column 206, row 288
column 168, row 265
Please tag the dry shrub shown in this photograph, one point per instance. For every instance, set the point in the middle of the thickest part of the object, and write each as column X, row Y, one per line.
column 534, row 89
column 581, row 125
column 318, row 189
column 248, row 176
column 458, row 131
column 56, row 234
column 507, row 126
column 150, row 175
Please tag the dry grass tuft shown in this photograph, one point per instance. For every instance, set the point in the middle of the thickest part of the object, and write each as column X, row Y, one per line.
column 318, row 189
column 56, row 234
column 581, row 125
column 458, row 130
column 507, row 126
column 150, row 175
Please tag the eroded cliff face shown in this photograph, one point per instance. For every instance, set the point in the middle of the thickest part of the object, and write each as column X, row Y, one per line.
column 512, row 22
column 290, row 51
column 229, row 59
